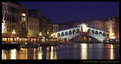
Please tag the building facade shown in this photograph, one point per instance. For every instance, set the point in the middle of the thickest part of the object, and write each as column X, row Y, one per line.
column 98, row 23
column 46, row 26
column 55, row 28
column 112, row 25
column 33, row 23
column 12, row 17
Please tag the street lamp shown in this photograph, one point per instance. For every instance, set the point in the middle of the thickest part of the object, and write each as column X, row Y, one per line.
column 51, row 35
column 13, row 32
column 40, row 34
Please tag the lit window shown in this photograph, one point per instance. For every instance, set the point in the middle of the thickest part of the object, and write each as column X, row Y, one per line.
column 23, row 19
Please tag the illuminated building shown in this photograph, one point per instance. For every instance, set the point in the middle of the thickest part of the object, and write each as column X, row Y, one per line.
column 55, row 28
column 112, row 25
column 12, row 15
column 33, row 23
column 45, row 26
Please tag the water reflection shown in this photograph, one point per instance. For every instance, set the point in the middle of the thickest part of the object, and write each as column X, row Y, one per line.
column 13, row 54
column 22, row 53
column 47, row 52
column 84, row 51
column 3, row 54
column 40, row 53
column 76, row 51
column 111, row 52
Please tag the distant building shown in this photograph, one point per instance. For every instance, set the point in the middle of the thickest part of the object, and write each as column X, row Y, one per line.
column 66, row 25
column 97, row 23
column 33, row 23
column 55, row 28
column 112, row 25
column 45, row 26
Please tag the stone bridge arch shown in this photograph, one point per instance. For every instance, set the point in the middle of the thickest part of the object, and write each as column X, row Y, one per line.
column 94, row 33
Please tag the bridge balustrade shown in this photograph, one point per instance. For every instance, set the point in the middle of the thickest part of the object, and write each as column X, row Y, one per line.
column 71, row 33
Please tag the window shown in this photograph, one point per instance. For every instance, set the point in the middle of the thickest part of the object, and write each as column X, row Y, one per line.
column 70, row 32
column 96, row 32
column 92, row 31
column 100, row 33
column 23, row 19
column 74, row 31
column 66, row 33
column 62, row 34
column 89, row 30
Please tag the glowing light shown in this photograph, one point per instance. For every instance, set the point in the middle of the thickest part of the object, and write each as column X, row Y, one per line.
column 11, row 39
column 83, row 51
column 51, row 53
column 13, row 54
column 3, row 26
column 21, row 55
column 40, row 53
column 47, row 32
column 112, row 37
column 111, row 52
column 51, row 35
column 17, row 38
column 54, row 35
column 84, row 27
column 13, row 32
column 40, row 34
column 47, row 53
column 4, row 54
column 23, row 14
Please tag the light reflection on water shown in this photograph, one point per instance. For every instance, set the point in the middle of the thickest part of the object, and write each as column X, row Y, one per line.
column 76, row 51
column 84, row 51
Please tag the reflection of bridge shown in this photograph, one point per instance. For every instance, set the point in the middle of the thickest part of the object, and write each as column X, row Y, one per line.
column 82, row 33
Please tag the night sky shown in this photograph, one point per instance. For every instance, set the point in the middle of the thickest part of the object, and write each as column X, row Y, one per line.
column 66, row 11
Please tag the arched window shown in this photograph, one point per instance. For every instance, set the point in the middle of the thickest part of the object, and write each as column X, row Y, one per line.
column 58, row 35
column 89, row 30
column 62, row 34
column 74, row 31
column 96, row 32
column 70, row 32
column 77, row 30
column 92, row 31
column 66, row 33
column 100, row 33
column 103, row 34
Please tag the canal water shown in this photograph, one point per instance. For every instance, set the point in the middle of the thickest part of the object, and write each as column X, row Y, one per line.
column 81, row 51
